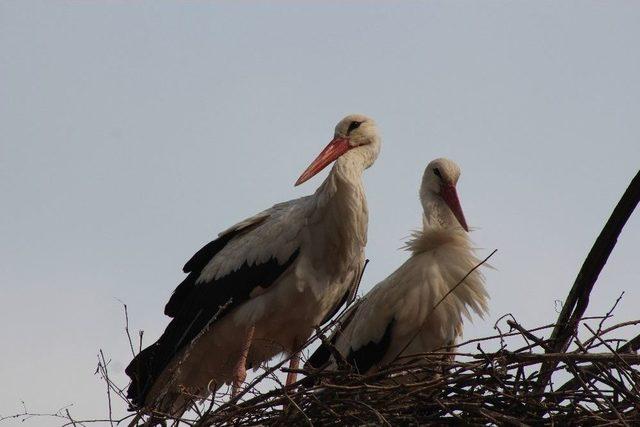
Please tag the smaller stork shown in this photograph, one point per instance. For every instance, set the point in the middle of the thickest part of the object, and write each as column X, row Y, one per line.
column 397, row 317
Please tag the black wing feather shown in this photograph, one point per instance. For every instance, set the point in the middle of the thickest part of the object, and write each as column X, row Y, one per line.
column 361, row 359
column 201, row 258
column 193, row 308
column 371, row 353
column 320, row 358
column 194, row 267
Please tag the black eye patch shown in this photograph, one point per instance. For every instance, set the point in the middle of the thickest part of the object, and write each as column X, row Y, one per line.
column 353, row 125
column 436, row 171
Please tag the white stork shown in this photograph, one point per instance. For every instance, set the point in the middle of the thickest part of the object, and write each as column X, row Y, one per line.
column 264, row 284
column 397, row 315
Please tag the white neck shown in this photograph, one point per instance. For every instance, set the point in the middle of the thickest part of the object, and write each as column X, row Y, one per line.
column 346, row 174
column 341, row 210
column 436, row 212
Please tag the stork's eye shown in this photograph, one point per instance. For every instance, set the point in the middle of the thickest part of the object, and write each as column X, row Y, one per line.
column 436, row 171
column 353, row 125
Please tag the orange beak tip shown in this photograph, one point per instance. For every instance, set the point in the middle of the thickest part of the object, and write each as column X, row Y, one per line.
column 336, row 148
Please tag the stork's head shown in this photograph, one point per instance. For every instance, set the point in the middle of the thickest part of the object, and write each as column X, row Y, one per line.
column 438, row 192
column 354, row 132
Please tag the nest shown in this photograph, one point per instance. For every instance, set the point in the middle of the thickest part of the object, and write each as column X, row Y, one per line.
column 596, row 383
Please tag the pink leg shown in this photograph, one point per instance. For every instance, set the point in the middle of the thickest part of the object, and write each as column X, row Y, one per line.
column 293, row 364
column 240, row 370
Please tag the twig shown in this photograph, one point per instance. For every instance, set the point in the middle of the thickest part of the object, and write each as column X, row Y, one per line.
column 126, row 328
column 102, row 364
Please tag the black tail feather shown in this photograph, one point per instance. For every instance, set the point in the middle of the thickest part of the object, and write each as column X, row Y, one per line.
column 142, row 374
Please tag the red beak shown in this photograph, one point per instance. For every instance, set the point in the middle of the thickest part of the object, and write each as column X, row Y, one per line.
column 335, row 149
column 450, row 196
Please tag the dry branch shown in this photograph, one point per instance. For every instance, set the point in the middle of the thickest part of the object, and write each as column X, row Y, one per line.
column 578, row 299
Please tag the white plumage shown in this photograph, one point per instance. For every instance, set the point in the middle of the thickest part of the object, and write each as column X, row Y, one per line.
column 397, row 315
column 265, row 283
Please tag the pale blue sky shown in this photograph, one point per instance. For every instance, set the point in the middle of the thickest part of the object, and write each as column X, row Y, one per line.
column 132, row 132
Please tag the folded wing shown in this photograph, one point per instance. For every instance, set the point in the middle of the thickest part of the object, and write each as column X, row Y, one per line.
column 243, row 261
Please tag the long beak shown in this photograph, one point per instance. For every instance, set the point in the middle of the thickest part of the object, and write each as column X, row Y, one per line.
column 450, row 196
column 335, row 149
